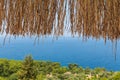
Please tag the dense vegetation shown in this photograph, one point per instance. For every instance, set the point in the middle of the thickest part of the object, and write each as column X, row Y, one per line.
column 29, row 69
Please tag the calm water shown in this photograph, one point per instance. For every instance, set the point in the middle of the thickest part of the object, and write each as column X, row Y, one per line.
column 91, row 53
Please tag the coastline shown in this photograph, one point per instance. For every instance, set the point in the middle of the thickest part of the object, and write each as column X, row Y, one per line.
column 46, row 70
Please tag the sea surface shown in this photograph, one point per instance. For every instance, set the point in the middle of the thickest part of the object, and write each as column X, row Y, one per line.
column 65, row 50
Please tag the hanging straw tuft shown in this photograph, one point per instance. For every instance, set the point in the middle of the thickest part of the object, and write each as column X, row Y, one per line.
column 94, row 18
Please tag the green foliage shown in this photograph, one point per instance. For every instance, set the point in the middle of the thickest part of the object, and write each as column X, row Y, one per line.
column 60, row 70
column 103, row 78
column 29, row 69
column 72, row 66
column 14, row 66
column 98, row 70
column 4, row 68
column 116, row 76
column 14, row 76
column 2, row 78
column 40, row 77
column 87, row 70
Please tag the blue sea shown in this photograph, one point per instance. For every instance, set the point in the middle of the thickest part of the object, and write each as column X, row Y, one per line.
column 65, row 50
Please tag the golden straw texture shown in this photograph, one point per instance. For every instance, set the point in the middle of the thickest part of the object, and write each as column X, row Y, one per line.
column 94, row 18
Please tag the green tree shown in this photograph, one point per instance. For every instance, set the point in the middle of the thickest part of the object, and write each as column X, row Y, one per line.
column 71, row 66
column 27, row 71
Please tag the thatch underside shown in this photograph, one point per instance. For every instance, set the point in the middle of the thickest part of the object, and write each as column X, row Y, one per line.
column 94, row 18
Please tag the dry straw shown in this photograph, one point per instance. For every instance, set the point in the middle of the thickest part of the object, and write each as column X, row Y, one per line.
column 96, row 18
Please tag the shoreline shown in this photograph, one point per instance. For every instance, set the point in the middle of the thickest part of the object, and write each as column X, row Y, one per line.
column 62, row 64
column 46, row 70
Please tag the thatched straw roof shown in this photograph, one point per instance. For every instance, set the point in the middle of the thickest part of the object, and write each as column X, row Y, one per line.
column 94, row 18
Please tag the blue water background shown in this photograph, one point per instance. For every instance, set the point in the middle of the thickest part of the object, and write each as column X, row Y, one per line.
column 65, row 50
